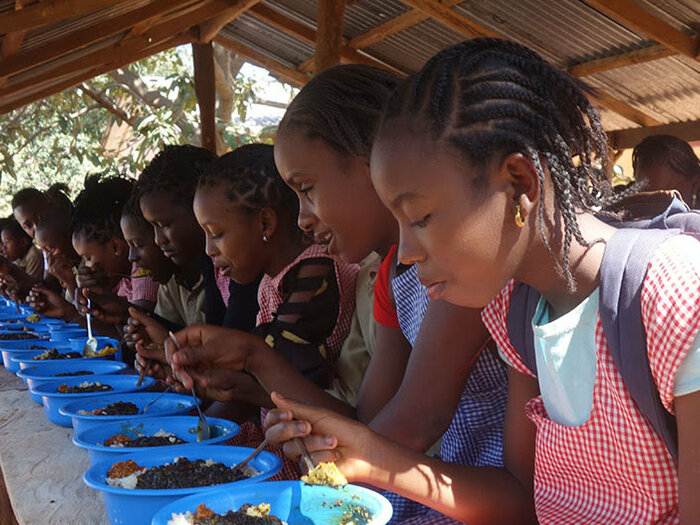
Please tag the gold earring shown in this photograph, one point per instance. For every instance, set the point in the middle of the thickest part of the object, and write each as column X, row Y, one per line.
column 519, row 221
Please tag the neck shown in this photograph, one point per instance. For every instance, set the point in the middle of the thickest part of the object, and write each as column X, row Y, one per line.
column 539, row 271
column 282, row 250
column 190, row 274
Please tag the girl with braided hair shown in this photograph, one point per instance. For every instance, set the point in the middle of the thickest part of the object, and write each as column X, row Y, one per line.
column 487, row 158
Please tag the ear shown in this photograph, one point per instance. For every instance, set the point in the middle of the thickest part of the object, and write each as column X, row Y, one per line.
column 118, row 246
column 268, row 220
column 524, row 181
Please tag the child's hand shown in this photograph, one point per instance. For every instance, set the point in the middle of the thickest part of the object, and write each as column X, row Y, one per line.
column 328, row 436
column 50, row 304
column 206, row 347
column 91, row 277
column 225, row 386
column 144, row 329
column 153, row 368
column 104, row 305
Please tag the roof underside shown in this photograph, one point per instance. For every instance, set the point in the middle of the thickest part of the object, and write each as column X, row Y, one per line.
column 663, row 89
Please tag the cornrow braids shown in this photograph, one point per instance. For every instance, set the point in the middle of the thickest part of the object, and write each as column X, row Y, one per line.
column 488, row 98
column 175, row 171
column 251, row 180
column 666, row 150
column 343, row 106
column 55, row 195
column 98, row 208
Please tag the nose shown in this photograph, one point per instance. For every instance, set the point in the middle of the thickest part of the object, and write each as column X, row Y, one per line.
column 159, row 238
column 210, row 247
column 306, row 219
column 133, row 256
column 410, row 251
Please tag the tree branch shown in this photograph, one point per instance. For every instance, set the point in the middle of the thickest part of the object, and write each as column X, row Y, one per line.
column 107, row 104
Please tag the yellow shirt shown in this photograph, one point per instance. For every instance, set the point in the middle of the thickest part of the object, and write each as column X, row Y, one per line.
column 179, row 304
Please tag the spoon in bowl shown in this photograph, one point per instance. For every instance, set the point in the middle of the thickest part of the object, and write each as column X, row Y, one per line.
column 90, row 348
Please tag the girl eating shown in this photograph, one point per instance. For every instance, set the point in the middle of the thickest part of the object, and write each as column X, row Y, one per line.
column 488, row 158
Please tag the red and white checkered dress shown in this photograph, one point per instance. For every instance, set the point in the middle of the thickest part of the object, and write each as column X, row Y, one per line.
column 614, row 468
column 270, row 297
column 142, row 288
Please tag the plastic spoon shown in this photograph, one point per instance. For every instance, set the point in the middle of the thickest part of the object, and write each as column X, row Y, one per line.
column 90, row 348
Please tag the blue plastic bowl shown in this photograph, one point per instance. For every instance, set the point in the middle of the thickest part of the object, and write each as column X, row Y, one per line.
column 38, row 328
column 77, row 344
column 184, row 427
column 37, row 375
column 9, row 353
column 167, row 405
column 53, row 400
column 291, row 501
column 137, row 506
column 26, row 359
column 64, row 335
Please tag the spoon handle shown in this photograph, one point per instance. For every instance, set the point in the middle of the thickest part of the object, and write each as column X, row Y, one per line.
column 305, row 453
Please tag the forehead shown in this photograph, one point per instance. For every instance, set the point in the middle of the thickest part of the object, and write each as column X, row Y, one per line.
column 298, row 155
column 159, row 205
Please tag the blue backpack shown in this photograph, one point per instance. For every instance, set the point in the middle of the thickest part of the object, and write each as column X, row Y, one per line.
column 622, row 273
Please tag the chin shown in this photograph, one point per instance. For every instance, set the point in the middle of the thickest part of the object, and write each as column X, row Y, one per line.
column 467, row 299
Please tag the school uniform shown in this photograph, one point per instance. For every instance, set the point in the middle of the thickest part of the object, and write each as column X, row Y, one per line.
column 32, row 262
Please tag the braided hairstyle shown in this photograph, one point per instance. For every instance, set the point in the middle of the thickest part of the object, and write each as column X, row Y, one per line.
column 175, row 171
column 343, row 106
column 250, row 179
column 487, row 98
column 98, row 208
column 133, row 210
column 55, row 195
column 14, row 230
column 666, row 150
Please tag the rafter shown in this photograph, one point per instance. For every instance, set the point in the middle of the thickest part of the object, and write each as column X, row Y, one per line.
column 632, row 15
column 628, row 138
column 638, row 56
column 128, row 46
column 209, row 29
column 329, row 35
column 308, row 35
column 278, row 69
column 623, row 109
column 49, row 11
column 85, row 37
column 182, row 38
column 450, row 18
column 393, row 26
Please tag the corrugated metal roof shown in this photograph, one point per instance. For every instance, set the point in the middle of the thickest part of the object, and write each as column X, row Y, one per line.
column 363, row 15
column 684, row 15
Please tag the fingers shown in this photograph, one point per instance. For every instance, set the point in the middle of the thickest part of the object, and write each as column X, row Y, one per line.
column 300, row 411
column 151, row 351
column 141, row 318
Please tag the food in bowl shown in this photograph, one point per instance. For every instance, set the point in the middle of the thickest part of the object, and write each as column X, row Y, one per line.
column 246, row 515
column 159, row 439
column 327, row 474
column 76, row 373
column 19, row 336
column 85, row 386
column 107, row 350
column 52, row 353
column 181, row 473
column 33, row 318
column 118, row 408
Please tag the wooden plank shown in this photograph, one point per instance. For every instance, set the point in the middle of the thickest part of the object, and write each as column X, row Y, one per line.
column 121, row 51
column 641, row 20
column 329, row 34
column 209, row 29
column 205, row 89
column 95, row 70
column 287, row 74
column 629, row 138
column 85, row 37
column 308, row 35
column 49, row 11
column 624, row 109
column 638, row 56
column 450, row 18
column 393, row 26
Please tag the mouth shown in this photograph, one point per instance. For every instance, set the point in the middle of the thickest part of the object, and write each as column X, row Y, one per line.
column 323, row 238
column 434, row 289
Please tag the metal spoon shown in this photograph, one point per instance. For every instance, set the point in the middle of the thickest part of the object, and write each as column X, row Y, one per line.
column 203, row 428
column 148, row 405
column 90, row 348
column 305, row 453
column 238, row 469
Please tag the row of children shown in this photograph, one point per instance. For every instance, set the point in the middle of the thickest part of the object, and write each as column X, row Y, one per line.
column 479, row 183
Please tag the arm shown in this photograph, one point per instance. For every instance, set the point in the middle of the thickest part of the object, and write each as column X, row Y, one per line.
column 474, row 495
column 688, row 418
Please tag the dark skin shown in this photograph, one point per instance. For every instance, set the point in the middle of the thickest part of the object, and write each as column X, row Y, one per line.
column 144, row 252
column 60, row 254
column 322, row 180
column 14, row 247
column 28, row 214
column 662, row 177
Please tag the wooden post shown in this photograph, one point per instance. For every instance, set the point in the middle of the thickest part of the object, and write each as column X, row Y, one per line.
column 329, row 36
column 205, row 88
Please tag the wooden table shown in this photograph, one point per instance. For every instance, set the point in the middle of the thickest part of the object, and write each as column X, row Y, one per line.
column 43, row 469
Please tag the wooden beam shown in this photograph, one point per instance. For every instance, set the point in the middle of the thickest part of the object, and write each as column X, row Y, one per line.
column 205, row 89
column 308, row 35
column 329, row 34
column 49, row 11
column 629, row 138
column 393, row 26
column 641, row 20
column 638, row 56
column 289, row 75
column 12, row 41
column 85, row 37
column 177, row 40
column 450, row 18
column 209, row 29
column 623, row 109
column 127, row 47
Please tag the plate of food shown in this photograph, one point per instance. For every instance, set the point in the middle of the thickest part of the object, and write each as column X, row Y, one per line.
column 135, row 487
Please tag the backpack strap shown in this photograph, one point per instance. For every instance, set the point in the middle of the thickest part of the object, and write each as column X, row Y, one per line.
column 523, row 303
column 622, row 274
